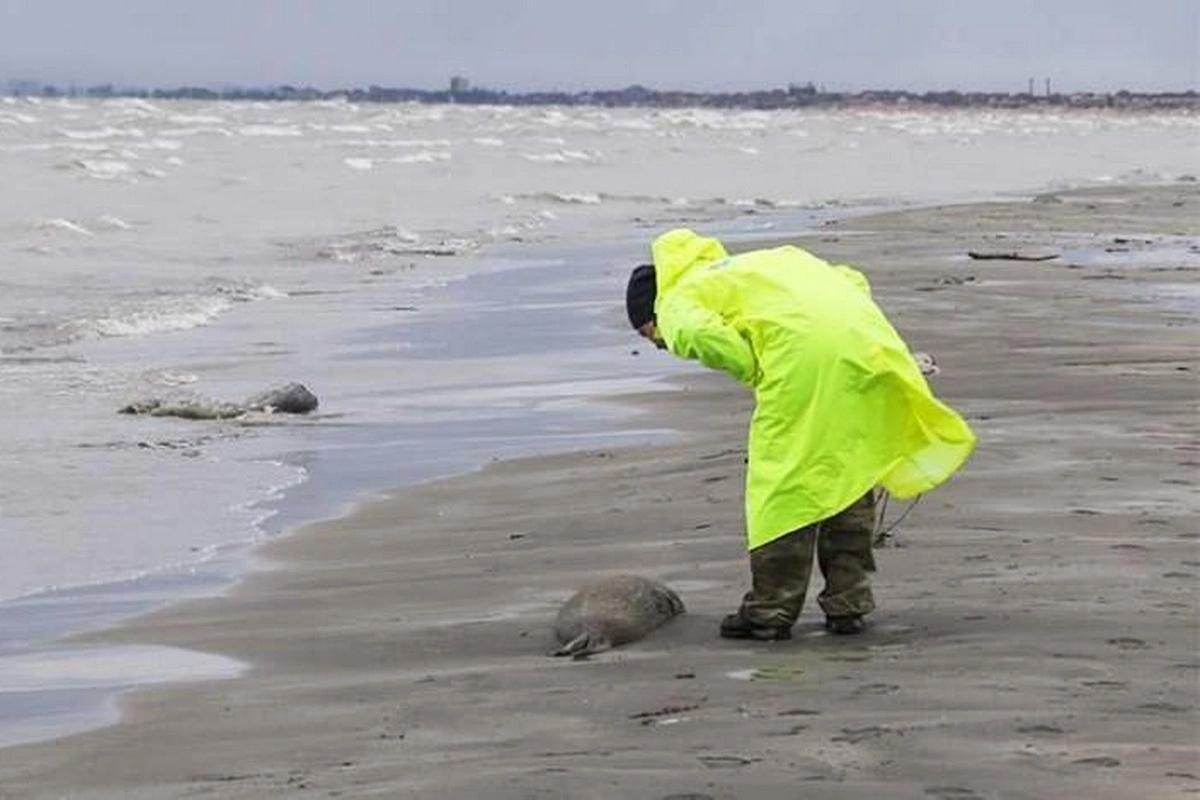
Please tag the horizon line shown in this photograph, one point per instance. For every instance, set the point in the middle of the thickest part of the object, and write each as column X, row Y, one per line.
column 1036, row 87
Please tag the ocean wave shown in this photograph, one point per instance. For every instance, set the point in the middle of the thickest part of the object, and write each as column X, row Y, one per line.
column 392, row 241
column 571, row 198
column 280, row 131
column 389, row 143
column 163, row 313
column 195, row 119
column 104, row 169
column 159, row 144
column 168, row 314
column 103, row 222
column 17, row 118
column 135, row 104
column 423, row 157
column 563, row 157
column 359, row 163
column 104, row 133
column 197, row 130
column 167, row 377
column 114, row 223
column 716, row 120
column 590, row 198
column 61, row 224
column 488, row 141
column 38, row 147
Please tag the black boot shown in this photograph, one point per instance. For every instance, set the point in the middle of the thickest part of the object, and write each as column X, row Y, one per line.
column 737, row 626
column 845, row 626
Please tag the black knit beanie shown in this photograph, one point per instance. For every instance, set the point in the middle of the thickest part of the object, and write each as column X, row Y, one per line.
column 640, row 294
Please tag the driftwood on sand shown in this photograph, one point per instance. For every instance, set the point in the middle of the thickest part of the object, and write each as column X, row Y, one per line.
column 293, row 398
column 1009, row 255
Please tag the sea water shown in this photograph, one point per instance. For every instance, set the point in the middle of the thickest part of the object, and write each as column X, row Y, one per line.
column 447, row 279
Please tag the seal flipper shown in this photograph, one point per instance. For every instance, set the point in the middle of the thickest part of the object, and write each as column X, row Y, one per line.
column 584, row 645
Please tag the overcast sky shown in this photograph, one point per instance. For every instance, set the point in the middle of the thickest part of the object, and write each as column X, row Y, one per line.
column 580, row 44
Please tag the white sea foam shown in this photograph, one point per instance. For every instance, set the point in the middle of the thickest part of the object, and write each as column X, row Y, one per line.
column 58, row 223
column 246, row 292
column 200, row 130
column 105, row 169
column 167, row 377
column 563, row 157
column 178, row 314
column 637, row 124
column 359, row 163
column 423, row 157
column 104, row 133
column 391, row 143
column 195, row 119
column 114, row 223
column 136, row 104
column 160, row 144
column 166, row 314
column 152, row 172
column 488, row 141
column 163, row 313
column 575, row 198
column 270, row 130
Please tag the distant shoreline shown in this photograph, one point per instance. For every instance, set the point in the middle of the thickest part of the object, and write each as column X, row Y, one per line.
column 792, row 97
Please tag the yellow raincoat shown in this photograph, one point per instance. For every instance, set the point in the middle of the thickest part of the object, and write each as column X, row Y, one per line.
column 840, row 406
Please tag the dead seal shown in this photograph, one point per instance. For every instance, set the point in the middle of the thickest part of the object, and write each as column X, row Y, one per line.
column 613, row 611
column 293, row 398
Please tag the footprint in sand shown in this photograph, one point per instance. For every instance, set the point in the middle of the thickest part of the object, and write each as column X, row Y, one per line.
column 877, row 688
column 726, row 762
column 857, row 735
column 951, row 793
column 1128, row 643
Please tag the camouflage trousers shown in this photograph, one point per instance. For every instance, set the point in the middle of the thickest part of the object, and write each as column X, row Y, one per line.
column 780, row 570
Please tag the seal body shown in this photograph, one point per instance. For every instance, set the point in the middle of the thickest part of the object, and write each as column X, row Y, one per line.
column 613, row 611
column 294, row 398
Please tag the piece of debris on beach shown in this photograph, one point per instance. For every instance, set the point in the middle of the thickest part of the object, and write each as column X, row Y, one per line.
column 1009, row 255
column 292, row 398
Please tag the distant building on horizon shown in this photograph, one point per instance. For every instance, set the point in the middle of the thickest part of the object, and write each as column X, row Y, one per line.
column 25, row 88
column 459, row 85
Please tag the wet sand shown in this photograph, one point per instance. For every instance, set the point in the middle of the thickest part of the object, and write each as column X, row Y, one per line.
column 1037, row 630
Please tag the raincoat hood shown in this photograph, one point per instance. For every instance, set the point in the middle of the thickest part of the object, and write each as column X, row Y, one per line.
column 679, row 251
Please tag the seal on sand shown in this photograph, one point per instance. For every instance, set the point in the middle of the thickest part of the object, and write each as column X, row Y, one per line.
column 613, row 611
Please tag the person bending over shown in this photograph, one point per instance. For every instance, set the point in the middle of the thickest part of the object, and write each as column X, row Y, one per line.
column 840, row 408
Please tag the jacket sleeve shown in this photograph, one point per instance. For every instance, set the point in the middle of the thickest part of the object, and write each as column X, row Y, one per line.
column 695, row 332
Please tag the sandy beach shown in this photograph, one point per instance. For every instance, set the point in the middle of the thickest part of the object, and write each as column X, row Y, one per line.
column 1037, row 631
